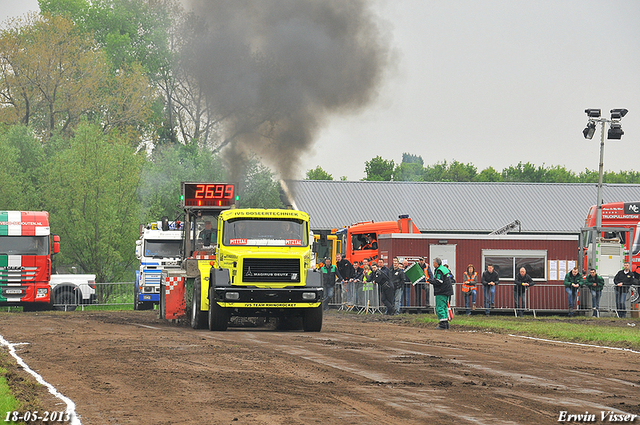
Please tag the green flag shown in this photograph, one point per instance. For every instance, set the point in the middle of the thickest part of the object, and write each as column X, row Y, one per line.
column 415, row 273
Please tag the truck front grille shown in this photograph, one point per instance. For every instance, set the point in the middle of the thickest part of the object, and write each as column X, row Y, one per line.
column 270, row 270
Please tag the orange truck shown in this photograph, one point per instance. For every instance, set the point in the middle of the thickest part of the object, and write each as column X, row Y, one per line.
column 360, row 240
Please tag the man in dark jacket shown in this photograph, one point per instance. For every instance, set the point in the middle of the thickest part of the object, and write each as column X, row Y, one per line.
column 396, row 276
column 490, row 280
column 386, row 289
column 329, row 275
column 595, row 284
column 443, row 290
column 572, row 282
column 521, row 283
column 622, row 281
column 344, row 267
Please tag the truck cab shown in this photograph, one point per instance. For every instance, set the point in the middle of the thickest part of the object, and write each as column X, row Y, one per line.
column 159, row 248
column 263, row 269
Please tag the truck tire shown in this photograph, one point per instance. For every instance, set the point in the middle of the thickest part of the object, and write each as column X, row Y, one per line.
column 140, row 305
column 198, row 318
column 312, row 319
column 218, row 317
column 65, row 300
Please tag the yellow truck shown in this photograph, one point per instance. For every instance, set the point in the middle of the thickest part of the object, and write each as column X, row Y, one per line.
column 262, row 268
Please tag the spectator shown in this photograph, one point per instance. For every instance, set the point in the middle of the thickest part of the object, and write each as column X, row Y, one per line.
column 397, row 277
column 428, row 274
column 469, row 282
column 622, row 281
column 386, row 289
column 572, row 282
column 329, row 275
column 344, row 267
column 521, row 283
column 356, row 272
column 490, row 280
column 595, row 284
column 442, row 289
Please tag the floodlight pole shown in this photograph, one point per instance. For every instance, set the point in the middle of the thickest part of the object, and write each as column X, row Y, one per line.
column 600, row 172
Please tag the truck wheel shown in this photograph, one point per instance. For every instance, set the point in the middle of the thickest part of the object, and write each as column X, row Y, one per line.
column 65, row 300
column 218, row 317
column 198, row 318
column 312, row 319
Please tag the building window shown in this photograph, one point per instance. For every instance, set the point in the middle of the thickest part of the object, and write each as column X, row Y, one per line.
column 507, row 262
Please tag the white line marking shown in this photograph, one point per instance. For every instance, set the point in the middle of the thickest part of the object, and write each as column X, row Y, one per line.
column 145, row 326
column 576, row 343
column 71, row 406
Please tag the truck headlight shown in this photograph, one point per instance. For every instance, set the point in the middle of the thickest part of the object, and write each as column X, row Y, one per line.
column 42, row 291
column 232, row 295
column 308, row 295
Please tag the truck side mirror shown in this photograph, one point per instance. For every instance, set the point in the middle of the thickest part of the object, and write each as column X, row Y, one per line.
column 56, row 244
column 138, row 249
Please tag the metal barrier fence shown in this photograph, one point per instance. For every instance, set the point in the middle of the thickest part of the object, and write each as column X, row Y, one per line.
column 105, row 294
column 541, row 298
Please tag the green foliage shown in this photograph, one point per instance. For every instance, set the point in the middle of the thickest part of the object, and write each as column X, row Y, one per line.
column 379, row 169
column 409, row 172
column 412, row 159
column 169, row 165
column 90, row 193
column 21, row 166
column 488, row 175
column 318, row 174
column 259, row 189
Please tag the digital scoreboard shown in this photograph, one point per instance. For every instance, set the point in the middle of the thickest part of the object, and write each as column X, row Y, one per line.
column 208, row 195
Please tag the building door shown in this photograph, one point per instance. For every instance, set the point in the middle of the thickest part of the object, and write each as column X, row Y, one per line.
column 447, row 253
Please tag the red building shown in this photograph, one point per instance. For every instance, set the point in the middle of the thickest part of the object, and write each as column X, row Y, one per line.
column 545, row 257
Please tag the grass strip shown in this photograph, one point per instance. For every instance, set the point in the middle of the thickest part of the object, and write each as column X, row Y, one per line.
column 597, row 331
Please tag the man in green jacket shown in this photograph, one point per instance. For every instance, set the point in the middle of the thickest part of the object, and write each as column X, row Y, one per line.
column 595, row 284
column 572, row 281
column 443, row 290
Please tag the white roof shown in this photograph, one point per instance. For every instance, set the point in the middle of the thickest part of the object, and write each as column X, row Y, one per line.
column 456, row 207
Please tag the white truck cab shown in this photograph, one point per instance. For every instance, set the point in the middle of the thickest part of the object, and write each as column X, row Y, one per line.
column 157, row 250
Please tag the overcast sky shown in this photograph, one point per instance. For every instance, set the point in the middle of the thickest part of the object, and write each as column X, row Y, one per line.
column 491, row 82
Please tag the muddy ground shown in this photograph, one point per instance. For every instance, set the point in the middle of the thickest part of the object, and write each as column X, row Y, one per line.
column 131, row 368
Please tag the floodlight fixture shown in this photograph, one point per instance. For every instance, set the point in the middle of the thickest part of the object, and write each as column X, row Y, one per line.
column 617, row 114
column 590, row 130
column 615, row 131
column 593, row 113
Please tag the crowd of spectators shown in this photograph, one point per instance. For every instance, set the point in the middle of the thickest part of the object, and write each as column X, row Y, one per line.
column 395, row 286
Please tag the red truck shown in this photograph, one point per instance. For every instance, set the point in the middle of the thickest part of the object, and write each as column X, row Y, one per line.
column 26, row 246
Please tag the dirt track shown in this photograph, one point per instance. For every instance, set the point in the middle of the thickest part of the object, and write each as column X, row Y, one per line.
column 131, row 368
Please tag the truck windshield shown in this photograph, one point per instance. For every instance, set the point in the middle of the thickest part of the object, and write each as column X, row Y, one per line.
column 265, row 231
column 24, row 245
column 163, row 249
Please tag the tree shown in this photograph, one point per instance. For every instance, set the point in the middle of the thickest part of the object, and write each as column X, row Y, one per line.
column 258, row 187
column 409, row 172
column 52, row 75
column 412, row 159
column 318, row 174
column 523, row 173
column 159, row 190
column 488, row 175
column 31, row 162
column 459, row 172
column 15, row 189
column 379, row 169
column 91, row 195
